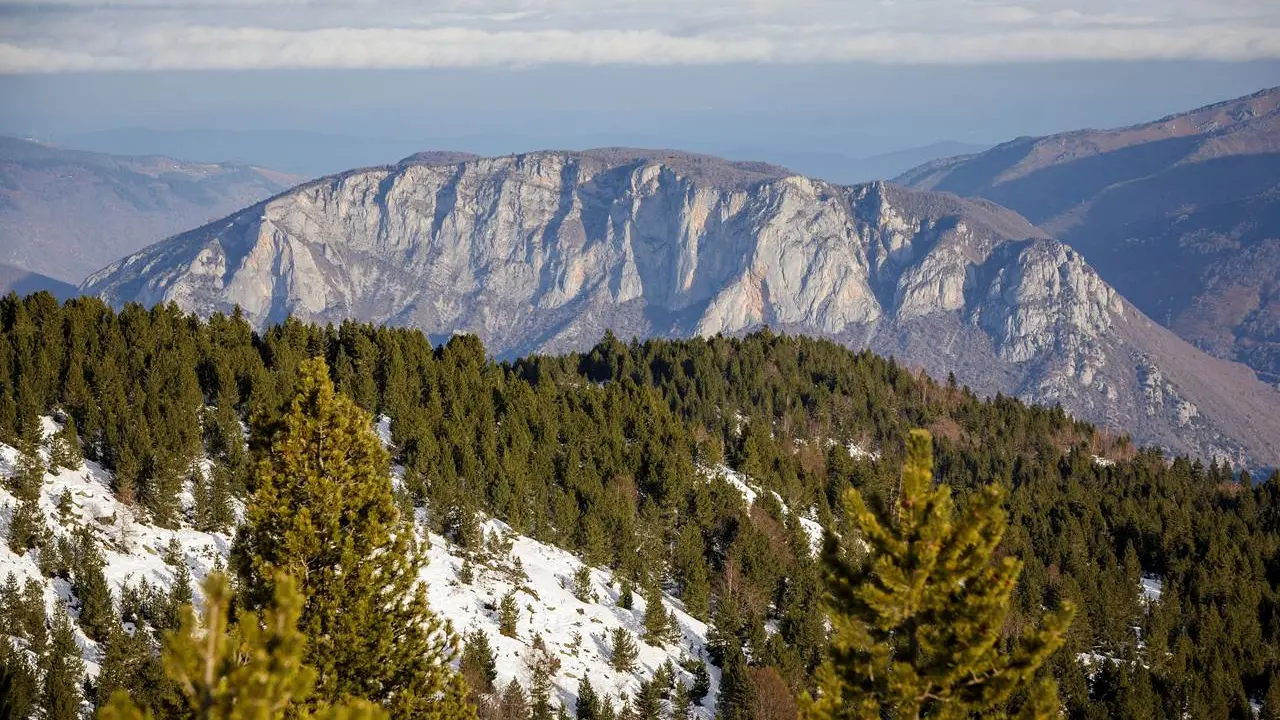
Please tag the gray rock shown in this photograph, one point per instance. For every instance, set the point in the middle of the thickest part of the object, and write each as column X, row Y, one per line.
column 545, row 251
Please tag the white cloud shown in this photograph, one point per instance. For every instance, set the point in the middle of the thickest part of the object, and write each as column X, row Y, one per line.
column 67, row 35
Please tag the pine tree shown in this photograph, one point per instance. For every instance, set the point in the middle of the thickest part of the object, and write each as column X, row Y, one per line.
column 323, row 510
column 916, row 627
column 657, row 623
column 508, row 615
column 735, row 700
column 27, row 530
column 588, row 702
column 648, row 705
column 514, row 704
column 62, row 672
column 28, row 475
column 19, row 688
column 89, row 583
column 624, row 650
column 251, row 670
column 478, row 665
column 64, row 448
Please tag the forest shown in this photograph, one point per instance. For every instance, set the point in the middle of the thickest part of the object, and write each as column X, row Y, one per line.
column 609, row 454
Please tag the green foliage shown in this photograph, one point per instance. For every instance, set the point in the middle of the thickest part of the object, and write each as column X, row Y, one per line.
column 623, row 650
column 61, row 672
column 508, row 614
column 582, row 584
column 64, row 447
column 659, row 627
column 588, row 707
column 252, row 670
column 27, row 530
column 323, row 511
column 478, row 665
column 916, row 625
column 19, row 687
column 599, row 452
column 89, row 584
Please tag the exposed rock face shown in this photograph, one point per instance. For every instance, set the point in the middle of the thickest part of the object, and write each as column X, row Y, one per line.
column 65, row 213
column 545, row 251
column 1181, row 215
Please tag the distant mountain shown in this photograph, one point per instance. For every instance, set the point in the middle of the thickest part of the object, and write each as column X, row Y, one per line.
column 25, row 282
column 65, row 213
column 546, row 251
column 843, row 168
column 1180, row 215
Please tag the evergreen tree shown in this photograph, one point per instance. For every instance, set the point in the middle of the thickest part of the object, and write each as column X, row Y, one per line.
column 27, row 530
column 478, row 665
column 254, row 669
column 19, row 688
column 508, row 615
column 916, row 627
column 62, row 672
column 588, row 702
column 64, row 447
column 97, row 613
column 323, row 510
column 735, row 700
column 624, row 650
column 648, row 705
column 514, row 704
column 657, row 623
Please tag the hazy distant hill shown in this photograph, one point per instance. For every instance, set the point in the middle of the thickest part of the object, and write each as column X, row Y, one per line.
column 1181, row 215
column 24, row 282
column 65, row 213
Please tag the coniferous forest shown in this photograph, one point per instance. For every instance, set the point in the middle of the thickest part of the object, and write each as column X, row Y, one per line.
column 604, row 453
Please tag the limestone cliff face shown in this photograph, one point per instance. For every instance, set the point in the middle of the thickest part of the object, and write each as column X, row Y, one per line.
column 545, row 251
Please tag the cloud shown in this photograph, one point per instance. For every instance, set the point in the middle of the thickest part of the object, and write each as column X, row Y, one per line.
column 79, row 35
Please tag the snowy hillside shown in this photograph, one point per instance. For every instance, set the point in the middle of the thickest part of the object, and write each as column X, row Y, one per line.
column 542, row 576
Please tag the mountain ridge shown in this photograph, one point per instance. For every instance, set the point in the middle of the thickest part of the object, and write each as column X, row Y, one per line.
column 1181, row 214
column 545, row 251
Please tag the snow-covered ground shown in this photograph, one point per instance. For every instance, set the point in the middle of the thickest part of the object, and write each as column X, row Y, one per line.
column 578, row 632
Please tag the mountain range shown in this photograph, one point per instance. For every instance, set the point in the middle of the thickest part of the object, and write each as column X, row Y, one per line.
column 545, row 251
column 1180, row 215
column 65, row 213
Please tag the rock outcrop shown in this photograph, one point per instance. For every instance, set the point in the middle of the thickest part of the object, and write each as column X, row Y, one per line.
column 545, row 251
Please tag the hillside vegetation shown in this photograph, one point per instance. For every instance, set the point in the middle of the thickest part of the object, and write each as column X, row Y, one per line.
column 1172, row 564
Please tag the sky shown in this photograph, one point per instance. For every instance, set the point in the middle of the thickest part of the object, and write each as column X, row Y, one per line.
column 320, row 82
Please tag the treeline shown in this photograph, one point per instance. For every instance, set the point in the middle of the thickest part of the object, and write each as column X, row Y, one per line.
column 611, row 454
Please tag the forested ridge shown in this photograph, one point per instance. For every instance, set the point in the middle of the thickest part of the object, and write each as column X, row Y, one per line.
column 611, row 454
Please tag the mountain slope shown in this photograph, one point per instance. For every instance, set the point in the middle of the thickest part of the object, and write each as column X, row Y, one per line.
column 546, row 251
column 65, row 213
column 541, row 576
column 1180, row 215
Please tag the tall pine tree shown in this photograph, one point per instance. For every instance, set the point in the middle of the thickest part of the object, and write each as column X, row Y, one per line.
column 916, row 625
column 323, row 511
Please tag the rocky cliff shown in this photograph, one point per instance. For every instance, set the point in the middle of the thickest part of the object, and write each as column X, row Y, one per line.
column 545, row 251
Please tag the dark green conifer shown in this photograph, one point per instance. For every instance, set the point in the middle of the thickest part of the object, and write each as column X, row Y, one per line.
column 62, row 672
column 323, row 510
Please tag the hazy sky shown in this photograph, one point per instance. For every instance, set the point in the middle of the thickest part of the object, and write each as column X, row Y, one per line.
column 844, row 77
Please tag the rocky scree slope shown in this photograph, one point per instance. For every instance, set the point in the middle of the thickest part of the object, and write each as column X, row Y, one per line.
column 545, row 251
column 1181, row 215
column 65, row 213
